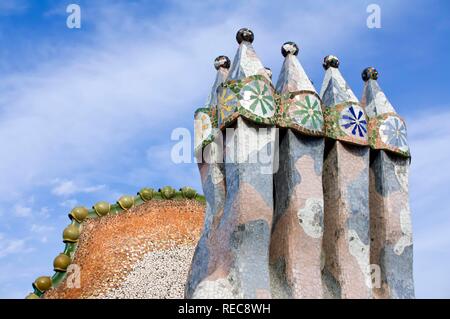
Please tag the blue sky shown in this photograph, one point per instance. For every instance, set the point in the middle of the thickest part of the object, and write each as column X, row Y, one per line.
column 87, row 114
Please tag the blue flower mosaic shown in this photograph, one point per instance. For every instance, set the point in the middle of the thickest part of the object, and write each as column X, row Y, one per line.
column 393, row 132
column 353, row 121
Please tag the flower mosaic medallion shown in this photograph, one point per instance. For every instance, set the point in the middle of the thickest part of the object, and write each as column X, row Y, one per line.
column 257, row 98
column 227, row 104
column 353, row 121
column 306, row 111
column 393, row 133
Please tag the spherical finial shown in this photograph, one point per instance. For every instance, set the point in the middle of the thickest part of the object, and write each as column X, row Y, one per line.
column 188, row 192
column 167, row 192
column 79, row 213
column 43, row 283
column 102, row 208
column 61, row 262
column 245, row 34
column 71, row 234
column 369, row 73
column 289, row 48
column 126, row 202
column 146, row 194
column 222, row 61
column 269, row 71
column 330, row 60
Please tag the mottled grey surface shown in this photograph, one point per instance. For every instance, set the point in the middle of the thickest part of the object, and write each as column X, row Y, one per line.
column 333, row 95
column 249, row 169
column 222, row 74
column 358, row 192
column 250, row 243
column 374, row 100
column 215, row 196
column 293, row 146
column 397, row 271
column 335, row 89
column 384, row 164
column 245, row 63
column 214, row 193
column 390, row 173
column 199, row 266
column 292, row 77
column 346, row 217
column 331, row 285
column 278, row 282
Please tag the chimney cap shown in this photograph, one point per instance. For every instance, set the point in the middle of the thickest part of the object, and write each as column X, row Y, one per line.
column 245, row 34
column 330, row 61
column 289, row 48
column 222, row 61
column 369, row 73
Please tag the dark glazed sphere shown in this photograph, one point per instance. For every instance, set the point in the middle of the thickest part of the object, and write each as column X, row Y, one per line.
column 369, row 73
column 289, row 48
column 222, row 61
column 330, row 60
column 245, row 34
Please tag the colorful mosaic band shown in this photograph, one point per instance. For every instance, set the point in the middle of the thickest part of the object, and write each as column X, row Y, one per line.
column 301, row 111
column 347, row 122
column 205, row 122
column 388, row 132
column 252, row 98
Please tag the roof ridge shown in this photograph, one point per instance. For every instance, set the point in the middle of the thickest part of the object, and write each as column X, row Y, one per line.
column 80, row 213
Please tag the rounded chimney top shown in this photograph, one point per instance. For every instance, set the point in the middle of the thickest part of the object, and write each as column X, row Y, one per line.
column 330, row 61
column 222, row 61
column 369, row 73
column 289, row 48
column 245, row 34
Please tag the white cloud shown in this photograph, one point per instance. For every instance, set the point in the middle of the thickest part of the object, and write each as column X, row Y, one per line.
column 69, row 203
column 430, row 163
column 78, row 114
column 22, row 211
column 68, row 187
column 429, row 177
column 41, row 229
column 13, row 246
column 12, row 6
column 44, row 212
